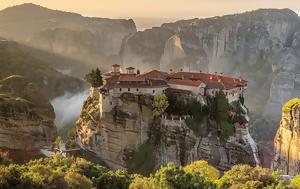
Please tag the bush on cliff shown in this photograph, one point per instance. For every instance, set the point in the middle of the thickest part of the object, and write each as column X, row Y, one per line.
column 142, row 160
column 160, row 104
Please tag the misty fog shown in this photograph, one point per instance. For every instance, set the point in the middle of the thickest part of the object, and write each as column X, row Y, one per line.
column 67, row 108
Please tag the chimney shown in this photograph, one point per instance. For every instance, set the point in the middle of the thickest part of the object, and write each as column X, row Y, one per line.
column 130, row 70
column 115, row 68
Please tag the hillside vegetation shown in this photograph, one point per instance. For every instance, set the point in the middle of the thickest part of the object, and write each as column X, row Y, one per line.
column 70, row 173
column 14, row 60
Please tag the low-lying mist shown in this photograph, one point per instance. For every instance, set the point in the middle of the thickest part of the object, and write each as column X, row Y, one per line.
column 67, row 108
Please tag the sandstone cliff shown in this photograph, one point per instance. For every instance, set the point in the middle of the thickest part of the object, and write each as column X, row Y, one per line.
column 130, row 137
column 287, row 140
column 26, row 119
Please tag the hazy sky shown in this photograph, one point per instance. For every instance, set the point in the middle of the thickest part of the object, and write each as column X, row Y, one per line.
column 158, row 8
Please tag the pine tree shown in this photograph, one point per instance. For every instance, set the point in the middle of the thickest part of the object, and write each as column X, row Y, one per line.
column 94, row 78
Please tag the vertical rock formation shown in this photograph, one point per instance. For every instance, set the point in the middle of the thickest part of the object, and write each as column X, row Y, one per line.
column 26, row 119
column 261, row 46
column 287, row 140
column 116, row 134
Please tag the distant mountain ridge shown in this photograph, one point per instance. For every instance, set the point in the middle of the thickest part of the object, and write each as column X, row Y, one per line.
column 95, row 41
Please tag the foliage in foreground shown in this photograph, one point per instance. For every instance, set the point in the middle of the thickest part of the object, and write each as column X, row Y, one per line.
column 76, row 173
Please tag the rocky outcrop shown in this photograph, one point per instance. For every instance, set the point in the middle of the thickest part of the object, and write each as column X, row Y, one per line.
column 260, row 46
column 143, row 50
column 26, row 119
column 130, row 123
column 287, row 140
column 126, row 126
column 181, row 145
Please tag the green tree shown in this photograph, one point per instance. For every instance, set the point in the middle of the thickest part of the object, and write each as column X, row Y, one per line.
column 245, row 176
column 98, row 78
column 203, row 169
column 77, row 181
column 221, row 111
column 142, row 159
column 94, row 78
column 160, row 104
column 140, row 182
column 171, row 177
column 113, row 180
column 296, row 182
column 221, row 107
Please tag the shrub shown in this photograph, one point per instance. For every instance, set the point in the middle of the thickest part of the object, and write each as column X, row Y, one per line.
column 160, row 104
column 201, row 168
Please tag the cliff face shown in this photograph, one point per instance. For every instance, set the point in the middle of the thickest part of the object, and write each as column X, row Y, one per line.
column 287, row 140
column 26, row 119
column 260, row 46
column 130, row 129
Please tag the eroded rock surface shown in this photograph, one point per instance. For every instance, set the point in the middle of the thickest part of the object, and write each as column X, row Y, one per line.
column 26, row 118
column 287, row 140
column 130, row 123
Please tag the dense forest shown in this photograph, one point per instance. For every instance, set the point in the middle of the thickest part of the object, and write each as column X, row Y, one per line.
column 76, row 173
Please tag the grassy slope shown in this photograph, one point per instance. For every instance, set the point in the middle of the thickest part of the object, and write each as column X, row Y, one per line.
column 14, row 60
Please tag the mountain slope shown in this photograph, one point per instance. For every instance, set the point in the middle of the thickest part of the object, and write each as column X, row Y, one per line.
column 94, row 41
column 14, row 60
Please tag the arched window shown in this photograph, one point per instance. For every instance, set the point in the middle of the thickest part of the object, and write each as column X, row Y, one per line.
column 120, row 89
column 153, row 91
column 137, row 90
column 128, row 89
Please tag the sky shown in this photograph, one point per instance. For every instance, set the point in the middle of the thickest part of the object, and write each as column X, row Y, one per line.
column 157, row 8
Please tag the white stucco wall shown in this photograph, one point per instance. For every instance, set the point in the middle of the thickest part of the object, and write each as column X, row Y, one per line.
column 195, row 90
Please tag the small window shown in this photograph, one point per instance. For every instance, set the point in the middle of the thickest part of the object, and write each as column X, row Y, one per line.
column 153, row 91
column 120, row 89
column 110, row 103
column 128, row 89
column 137, row 90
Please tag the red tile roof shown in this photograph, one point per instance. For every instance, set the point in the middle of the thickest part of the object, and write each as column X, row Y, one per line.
column 115, row 65
column 130, row 77
column 130, row 68
column 193, row 83
column 148, row 79
column 155, row 75
column 212, row 80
